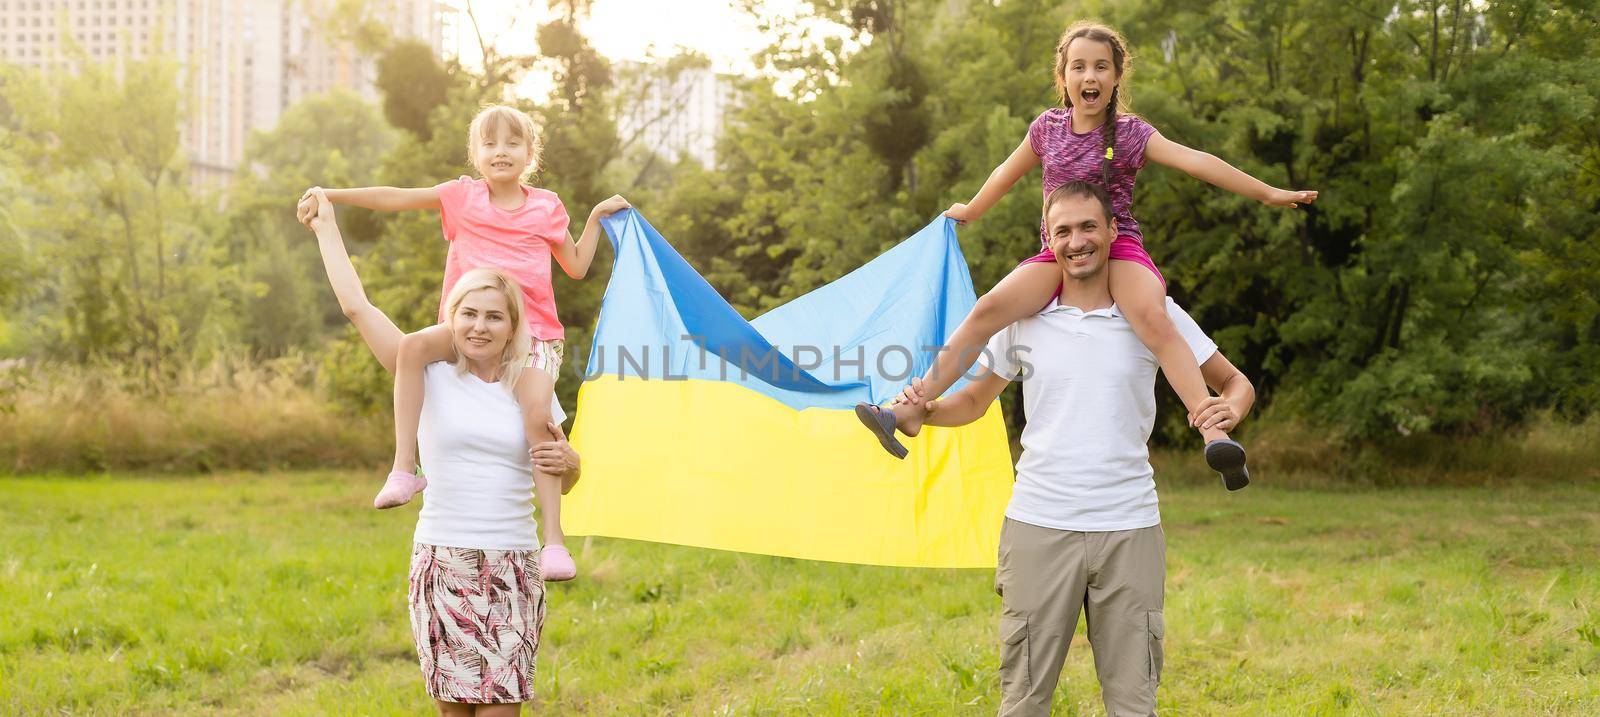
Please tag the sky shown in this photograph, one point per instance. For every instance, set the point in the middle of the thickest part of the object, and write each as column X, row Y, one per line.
column 621, row 30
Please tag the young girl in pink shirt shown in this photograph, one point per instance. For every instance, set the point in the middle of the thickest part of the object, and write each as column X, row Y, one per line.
column 498, row 221
column 1086, row 139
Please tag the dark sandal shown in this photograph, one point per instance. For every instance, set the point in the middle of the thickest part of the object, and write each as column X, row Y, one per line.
column 881, row 422
column 1227, row 457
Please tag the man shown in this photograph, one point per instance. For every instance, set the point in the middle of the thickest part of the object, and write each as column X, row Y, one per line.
column 1083, row 528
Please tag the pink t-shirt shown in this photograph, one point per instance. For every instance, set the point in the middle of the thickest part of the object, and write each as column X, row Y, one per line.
column 1066, row 156
column 516, row 241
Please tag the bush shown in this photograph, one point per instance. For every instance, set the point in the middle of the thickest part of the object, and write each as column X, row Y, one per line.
column 227, row 414
column 1294, row 453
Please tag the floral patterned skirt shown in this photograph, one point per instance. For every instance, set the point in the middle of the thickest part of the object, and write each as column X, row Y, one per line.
column 476, row 616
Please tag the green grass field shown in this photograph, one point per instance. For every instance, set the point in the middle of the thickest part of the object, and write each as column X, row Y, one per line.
column 282, row 594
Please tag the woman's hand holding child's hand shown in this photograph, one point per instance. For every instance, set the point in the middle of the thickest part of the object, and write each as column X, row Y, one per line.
column 306, row 207
column 314, row 210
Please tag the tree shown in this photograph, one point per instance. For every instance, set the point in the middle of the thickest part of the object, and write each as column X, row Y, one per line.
column 413, row 83
column 1445, row 282
column 107, row 204
column 1393, row 307
column 336, row 139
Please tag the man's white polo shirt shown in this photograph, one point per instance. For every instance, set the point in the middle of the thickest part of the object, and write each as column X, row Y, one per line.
column 1089, row 391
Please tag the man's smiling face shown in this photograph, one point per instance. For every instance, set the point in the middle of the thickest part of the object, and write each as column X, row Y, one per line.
column 1080, row 234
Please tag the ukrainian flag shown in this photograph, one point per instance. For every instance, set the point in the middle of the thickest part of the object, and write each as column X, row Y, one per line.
column 700, row 428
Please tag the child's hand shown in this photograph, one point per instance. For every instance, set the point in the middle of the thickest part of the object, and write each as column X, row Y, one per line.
column 961, row 214
column 913, row 395
column 1286, row 198
column 305, row 209
column 320, row 214
column 613, row 204
column 306, row 199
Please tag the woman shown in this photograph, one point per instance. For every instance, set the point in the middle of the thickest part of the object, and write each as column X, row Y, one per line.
column 477, row 602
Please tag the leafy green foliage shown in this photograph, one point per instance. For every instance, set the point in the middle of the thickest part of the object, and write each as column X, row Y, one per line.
column 1447, row 281
column 414, row 83
column 1444, row 282
column 335, row 140
column 128, row 267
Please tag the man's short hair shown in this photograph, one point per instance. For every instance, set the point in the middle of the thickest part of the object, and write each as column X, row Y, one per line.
column 1081, row 188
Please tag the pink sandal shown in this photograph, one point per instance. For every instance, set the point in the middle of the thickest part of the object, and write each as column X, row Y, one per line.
column 555, row 564
column 399, row 489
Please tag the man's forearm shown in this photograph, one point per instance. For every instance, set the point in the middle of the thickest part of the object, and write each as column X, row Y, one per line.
column 957, row 409
column 1240, row 394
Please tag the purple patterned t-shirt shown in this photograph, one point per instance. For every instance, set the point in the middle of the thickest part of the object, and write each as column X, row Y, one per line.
column 1066, row 156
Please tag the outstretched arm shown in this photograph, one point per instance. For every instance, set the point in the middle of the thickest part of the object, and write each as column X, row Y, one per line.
column 1207, row 167
column 999, row 182
column 383, row 199
column 381, row 335
column 575, row 258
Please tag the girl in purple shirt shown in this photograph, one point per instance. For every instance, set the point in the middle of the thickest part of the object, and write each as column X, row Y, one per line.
column 1077, row 142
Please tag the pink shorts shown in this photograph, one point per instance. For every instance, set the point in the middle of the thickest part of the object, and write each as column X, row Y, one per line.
column 1123, row 248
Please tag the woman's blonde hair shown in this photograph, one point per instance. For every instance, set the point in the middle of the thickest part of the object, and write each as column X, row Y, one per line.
column 515, row 354
column 492, row 118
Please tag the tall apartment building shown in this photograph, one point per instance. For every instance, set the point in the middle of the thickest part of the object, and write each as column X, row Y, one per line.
column 245, row 61
column 675, row 114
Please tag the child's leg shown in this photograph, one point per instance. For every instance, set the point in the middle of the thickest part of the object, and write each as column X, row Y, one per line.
column 1021, row 294
column 533, row 391
column 1143, row 300
column 417, row 350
